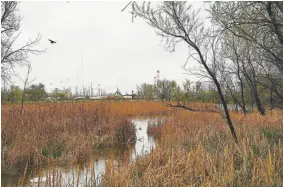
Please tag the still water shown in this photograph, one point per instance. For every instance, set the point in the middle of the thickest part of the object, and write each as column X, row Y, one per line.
column 91, row 173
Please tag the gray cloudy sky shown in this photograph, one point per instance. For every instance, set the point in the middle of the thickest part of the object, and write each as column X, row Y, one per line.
column 114, row 51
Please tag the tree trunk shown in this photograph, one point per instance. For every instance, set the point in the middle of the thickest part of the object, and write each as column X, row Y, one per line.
column 243, row 97
column 22, row 102
column 220, row 93
column 236, row 102
column 227, row 114
column 259, row 106
column 271, row 98
column 253, row 86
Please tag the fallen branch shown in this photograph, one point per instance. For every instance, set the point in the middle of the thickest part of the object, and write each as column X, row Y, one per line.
column 194, row 110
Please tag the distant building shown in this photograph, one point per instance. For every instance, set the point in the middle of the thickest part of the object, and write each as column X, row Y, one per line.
column 78, row 98
column 98, row 97
column 126, row 96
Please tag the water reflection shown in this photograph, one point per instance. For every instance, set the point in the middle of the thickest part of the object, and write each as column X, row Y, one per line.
column 144, row 143
column 91, row 173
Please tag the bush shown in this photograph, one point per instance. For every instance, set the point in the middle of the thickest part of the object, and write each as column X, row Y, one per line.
column 126, row 132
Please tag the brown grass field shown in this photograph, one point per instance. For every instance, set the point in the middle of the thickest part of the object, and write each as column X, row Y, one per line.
column 66, row 132
column 194, row 148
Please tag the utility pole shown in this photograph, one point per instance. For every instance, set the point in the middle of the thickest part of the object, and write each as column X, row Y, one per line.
column 98, row 89
column 91, row 90
column 78, row 78
column 82, row 73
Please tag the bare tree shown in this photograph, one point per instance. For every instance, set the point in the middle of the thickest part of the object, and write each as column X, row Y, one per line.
column 258, row 22
column 10, row 55
column 141, row 90
column 231, row 52
column 252, row 40
column 176, row 22
column 26, row 82
column 187, row 84
column 251, row 70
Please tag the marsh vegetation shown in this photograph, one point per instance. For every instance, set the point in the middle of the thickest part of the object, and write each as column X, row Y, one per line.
column 77, row 143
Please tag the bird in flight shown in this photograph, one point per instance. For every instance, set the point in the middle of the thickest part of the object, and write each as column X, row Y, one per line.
column 52, row 42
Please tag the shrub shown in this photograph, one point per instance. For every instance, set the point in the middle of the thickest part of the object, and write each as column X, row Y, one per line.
column 126, row 132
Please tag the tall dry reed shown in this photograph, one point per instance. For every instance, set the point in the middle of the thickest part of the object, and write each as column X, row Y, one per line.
column 196, row 149
column 66, row 132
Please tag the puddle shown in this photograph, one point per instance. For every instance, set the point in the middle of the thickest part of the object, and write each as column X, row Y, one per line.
column 91, row 173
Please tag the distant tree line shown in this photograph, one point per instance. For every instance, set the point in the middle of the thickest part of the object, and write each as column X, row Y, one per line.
column 166, row 90
column 34, row 93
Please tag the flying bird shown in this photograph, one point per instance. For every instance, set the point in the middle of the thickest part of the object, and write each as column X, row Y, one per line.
column 52, row 42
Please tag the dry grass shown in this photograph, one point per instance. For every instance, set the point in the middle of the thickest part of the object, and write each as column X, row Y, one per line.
column 66, row 132
column 196, row 149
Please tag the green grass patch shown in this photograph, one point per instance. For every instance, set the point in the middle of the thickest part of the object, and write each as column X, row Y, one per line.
column 273, row 135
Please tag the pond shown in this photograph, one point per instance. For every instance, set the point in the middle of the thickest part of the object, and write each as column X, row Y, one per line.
column 91, row 173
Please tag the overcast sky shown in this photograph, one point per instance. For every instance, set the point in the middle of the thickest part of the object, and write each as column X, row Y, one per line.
column 97, row 43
